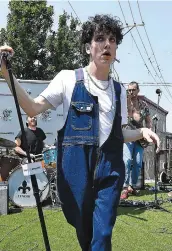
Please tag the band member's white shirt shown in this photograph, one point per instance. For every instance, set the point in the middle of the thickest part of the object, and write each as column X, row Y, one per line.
column 60, row 90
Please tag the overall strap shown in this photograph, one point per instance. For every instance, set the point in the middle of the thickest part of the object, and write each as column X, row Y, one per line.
column 79, row 74
column 117, row 87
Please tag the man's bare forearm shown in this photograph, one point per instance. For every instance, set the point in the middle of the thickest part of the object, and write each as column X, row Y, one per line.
column 25, row 101
column 20, row 151
column 149, row 125
column 132, row 135
column 32, row 107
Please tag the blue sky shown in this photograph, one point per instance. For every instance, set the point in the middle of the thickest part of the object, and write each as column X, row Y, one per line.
column 158, row 22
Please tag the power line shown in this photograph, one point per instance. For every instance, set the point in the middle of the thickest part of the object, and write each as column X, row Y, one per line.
column 148, row 38
column 129, row 30
column 74, row 12
column 167, row 84
column 151, row 48
column 135, row 42
column 142, row 40
column 168, row 91
column 149, row 84
column 132, row 26
column 149, row 72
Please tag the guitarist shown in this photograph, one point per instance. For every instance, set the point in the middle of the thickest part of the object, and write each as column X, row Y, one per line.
column 138, row 115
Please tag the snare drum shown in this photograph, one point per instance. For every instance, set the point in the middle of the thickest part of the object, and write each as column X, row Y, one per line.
column 21, row 191
column 50, row 156
column 7, row 164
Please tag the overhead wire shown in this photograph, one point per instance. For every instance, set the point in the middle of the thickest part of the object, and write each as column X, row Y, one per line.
column 149, row 40
column 155, row 85
column 141, row 39
column 135, row 42
column 149, row 72
column 160, row 77
column 74, row 12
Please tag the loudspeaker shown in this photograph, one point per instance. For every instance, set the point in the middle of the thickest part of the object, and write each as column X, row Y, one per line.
column 4, row 198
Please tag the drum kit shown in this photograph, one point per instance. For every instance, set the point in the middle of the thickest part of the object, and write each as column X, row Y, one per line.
column 20, row 186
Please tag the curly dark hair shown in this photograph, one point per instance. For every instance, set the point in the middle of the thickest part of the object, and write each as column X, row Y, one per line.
column 101, row 23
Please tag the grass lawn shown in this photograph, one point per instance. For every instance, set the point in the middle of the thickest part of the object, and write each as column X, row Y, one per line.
column 137, row 229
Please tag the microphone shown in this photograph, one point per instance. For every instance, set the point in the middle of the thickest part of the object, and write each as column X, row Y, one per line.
column 158, row 91
column 6, row 55
column 117, row 60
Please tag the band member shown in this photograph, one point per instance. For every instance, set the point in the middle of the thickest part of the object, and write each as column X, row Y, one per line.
column 138, row 116
column 35, row 139
column 90, row 145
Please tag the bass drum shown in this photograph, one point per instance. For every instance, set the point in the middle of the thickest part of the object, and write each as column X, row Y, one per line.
column 7, row 164
column 21, row 191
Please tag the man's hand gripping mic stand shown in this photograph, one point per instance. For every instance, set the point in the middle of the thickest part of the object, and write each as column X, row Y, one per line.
column 5, row 56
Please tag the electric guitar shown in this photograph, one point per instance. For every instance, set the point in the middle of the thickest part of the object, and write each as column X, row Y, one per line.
column 143, row 142
column 135, row 125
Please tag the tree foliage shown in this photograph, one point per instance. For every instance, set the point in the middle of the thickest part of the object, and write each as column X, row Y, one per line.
column 3, row 36
column 28, row 24
column 40, row 52
column 64, row 45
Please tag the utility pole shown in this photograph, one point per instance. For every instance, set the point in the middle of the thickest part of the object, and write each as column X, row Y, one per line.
column 130, row 27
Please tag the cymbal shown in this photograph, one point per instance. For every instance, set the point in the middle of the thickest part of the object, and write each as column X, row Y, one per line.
column 7, row 143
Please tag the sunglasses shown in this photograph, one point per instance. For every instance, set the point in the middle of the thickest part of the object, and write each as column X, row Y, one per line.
column 33, row 118
column 131, row 90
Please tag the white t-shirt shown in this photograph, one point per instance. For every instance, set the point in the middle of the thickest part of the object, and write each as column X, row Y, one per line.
column 60, row 90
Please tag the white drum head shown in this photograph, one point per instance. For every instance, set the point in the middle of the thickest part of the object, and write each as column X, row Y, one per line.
column 21, row 191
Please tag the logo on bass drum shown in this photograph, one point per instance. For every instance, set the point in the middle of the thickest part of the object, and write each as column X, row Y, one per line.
column 24, row 187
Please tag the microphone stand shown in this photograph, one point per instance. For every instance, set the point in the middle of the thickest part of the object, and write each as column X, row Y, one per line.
column 5, row 56
column 156, row 204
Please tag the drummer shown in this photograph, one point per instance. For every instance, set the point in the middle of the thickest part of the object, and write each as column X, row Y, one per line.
column 35, row 138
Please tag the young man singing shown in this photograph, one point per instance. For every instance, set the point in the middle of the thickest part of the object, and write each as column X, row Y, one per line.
column 90, row 145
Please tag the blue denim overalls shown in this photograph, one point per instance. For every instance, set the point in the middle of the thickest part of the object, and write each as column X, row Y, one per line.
column 90, row 178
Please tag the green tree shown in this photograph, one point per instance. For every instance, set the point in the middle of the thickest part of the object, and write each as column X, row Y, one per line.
column 3, row 36
column 64, row 45
column 40, row 53
column 28, row 25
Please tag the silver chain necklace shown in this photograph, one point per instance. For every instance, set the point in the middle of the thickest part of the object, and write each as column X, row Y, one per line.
column 112, row 91
column 103, row 89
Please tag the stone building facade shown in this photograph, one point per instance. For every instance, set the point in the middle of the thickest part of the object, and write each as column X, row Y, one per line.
column 158, row 115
